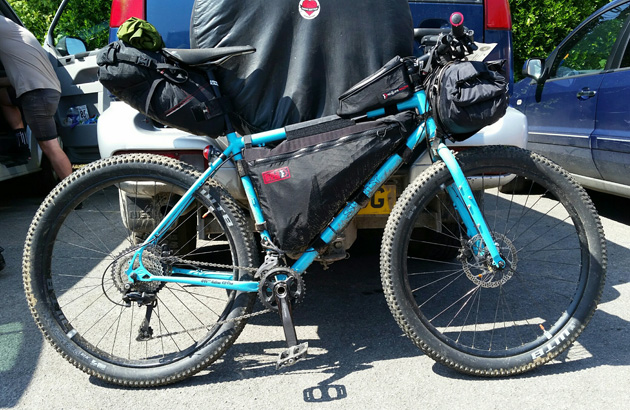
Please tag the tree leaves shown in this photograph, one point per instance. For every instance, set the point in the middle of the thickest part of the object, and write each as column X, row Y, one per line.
column 85, row 19
column 538, row 26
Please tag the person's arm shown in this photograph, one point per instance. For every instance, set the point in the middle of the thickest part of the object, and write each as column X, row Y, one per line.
column 4, row 82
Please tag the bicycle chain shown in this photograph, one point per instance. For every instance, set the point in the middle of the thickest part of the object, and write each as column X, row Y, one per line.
column 174, row 259
column 247, row 316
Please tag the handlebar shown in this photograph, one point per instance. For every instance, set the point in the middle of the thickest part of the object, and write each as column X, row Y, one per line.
column 450, row 46
column 457, row 24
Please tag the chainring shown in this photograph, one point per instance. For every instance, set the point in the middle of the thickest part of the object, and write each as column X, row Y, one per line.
column 294, row 285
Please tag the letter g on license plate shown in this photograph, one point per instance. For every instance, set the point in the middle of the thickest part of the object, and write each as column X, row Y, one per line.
column 382, row 201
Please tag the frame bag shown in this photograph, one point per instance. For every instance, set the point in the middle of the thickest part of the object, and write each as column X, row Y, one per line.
column 304, row 181
column 160, row 89
column 467, row 96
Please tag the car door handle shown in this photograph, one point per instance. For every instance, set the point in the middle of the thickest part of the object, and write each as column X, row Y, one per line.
column 585, row 94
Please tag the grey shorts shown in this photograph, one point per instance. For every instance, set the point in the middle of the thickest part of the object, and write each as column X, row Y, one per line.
column 39, row 108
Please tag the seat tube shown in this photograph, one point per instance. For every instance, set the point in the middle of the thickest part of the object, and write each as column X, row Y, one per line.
column 461, row 193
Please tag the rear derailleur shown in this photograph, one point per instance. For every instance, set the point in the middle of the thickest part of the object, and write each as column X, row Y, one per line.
column 139, row 292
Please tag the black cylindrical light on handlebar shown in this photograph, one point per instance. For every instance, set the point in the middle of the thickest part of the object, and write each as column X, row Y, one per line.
column 457, row 24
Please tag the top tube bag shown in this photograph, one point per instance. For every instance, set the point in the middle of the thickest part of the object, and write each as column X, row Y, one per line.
column 386, row 87
column 304, row 181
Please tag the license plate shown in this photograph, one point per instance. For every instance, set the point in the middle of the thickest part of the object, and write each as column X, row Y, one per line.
column 382, row 201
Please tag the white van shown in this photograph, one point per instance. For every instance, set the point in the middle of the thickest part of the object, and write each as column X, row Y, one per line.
column 76, row 69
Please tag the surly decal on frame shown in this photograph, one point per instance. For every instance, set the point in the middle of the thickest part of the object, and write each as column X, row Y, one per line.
column 309, row 9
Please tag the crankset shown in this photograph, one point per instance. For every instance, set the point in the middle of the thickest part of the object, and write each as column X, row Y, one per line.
column 279, row 289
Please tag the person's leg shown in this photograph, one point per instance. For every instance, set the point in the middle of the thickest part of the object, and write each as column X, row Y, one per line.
column 39, row 108
column 13, row 116
column 58, row 159
column 10, row 111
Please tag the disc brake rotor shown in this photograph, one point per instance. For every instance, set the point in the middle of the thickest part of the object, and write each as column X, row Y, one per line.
column 482, row 272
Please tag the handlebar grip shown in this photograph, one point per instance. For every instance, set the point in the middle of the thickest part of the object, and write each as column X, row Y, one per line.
column 457, row 24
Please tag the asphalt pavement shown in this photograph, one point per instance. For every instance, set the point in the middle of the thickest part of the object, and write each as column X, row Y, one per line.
column 358, row 357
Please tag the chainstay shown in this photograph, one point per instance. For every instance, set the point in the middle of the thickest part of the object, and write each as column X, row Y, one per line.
column 222, row 266
column 172, row 259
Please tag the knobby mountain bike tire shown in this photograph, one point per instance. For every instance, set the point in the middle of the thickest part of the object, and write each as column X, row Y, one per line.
column 466, row 314
column 83, row 238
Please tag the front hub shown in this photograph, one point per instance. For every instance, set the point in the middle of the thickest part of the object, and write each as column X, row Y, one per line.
column 478, row 264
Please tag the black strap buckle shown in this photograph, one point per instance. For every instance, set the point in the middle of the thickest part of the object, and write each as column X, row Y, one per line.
column 144, row 60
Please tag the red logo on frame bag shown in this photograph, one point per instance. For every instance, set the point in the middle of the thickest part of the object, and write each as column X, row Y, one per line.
column 276, row 175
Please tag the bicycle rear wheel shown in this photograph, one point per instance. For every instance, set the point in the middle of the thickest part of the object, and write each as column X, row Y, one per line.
column 470, row 316
column 80, row 244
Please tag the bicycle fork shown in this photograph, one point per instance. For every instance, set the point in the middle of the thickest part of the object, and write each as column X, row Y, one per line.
column 466, row 206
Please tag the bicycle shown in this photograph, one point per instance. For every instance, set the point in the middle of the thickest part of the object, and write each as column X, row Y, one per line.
column 142, row 271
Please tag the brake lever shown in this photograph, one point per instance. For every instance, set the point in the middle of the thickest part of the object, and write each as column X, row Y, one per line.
column 469, row 43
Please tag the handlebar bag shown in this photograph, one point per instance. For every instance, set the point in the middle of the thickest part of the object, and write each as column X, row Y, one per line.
column 389, row 85
column 150, row 82
column 472, row 95
column 304, row 181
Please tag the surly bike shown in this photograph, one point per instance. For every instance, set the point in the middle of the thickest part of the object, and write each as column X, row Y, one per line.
column 142, row 271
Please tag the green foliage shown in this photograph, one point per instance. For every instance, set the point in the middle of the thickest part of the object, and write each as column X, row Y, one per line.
column 592, row 52
column 85, row 19
column 35, row 14
column 538, row 26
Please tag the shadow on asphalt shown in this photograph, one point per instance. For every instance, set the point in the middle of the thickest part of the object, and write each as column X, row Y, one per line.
column 355, row 329
column 612, row 207
column 345, row 303
column 20, row 340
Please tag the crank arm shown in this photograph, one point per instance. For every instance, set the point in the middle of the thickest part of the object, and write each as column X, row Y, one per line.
column 295, row 351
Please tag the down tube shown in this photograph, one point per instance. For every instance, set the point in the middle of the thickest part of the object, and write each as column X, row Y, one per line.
column 344, row 217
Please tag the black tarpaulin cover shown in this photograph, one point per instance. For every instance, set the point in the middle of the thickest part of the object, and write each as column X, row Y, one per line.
column 308, row 52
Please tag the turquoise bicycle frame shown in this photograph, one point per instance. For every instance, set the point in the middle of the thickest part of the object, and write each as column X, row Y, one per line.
column 459, row 192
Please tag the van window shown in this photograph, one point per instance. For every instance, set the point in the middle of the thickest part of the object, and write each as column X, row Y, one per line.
column 83, row 26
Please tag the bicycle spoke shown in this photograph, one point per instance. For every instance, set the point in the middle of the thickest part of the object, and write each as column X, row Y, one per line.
column 457, row 301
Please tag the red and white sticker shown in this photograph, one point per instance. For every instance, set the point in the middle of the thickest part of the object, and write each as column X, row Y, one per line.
column 276, row 175
column 309, row 9
column 395, row 91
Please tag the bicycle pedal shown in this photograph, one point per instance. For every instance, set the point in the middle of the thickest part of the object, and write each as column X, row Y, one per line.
column 291, row 355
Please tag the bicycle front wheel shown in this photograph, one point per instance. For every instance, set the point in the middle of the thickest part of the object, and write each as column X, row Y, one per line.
column 469, row 315
column 78, row 249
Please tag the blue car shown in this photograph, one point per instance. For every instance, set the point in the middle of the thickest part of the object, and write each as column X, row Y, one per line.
column 576, row 101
